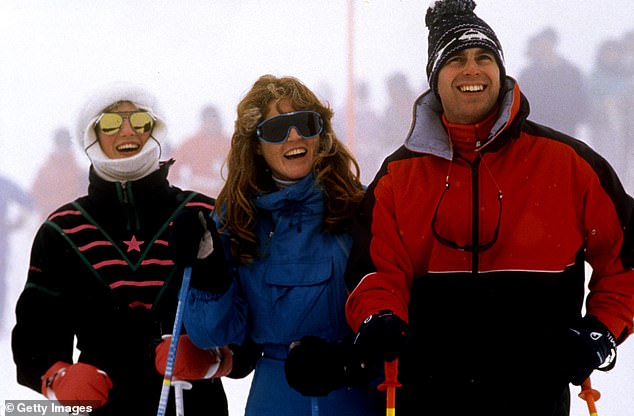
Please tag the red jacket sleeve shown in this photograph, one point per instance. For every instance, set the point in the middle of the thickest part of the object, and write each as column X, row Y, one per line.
column 611, row 287
column 386, row 282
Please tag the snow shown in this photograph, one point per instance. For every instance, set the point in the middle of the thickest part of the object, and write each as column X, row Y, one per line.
column 195, row 52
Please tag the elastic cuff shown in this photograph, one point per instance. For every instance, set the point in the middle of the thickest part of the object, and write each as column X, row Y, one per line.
column 49, row 377
column 213, row 369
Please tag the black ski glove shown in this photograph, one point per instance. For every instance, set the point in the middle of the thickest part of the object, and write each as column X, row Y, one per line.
column 245, row 358
column 588, row 345
column 315, row 367
column 194, row 241
column 381, row 337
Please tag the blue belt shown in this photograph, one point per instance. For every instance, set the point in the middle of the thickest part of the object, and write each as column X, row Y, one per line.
column 276, row 351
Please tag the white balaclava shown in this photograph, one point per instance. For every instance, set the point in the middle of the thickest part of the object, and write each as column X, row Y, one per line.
column 129, row 168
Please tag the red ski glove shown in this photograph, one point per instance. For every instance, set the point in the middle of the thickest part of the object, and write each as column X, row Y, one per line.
column 193, row 363
column 77, row 384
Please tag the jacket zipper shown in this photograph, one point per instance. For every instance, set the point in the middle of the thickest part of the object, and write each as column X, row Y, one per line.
column 128, row 205
column 475, row 214
column 124, row 193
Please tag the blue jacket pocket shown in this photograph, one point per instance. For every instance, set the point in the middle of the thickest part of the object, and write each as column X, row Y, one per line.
column 305, row 272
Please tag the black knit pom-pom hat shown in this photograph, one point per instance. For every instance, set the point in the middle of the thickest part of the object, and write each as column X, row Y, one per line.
column 453, row 26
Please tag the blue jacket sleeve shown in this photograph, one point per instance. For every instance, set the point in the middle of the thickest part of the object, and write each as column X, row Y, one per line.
column 214, row 320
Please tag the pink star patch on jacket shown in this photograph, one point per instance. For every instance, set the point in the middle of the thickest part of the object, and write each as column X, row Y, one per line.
column 134, row 244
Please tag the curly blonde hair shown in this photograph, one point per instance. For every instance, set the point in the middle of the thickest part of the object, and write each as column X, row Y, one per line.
column 334, row 167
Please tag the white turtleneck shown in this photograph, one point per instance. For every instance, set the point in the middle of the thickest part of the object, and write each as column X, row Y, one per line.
column 129, row 168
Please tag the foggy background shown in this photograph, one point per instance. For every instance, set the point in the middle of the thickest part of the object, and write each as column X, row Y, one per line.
column 193, row 53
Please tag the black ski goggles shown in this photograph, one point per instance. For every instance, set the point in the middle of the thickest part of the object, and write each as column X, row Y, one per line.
column 110, row 123
column 276, row 129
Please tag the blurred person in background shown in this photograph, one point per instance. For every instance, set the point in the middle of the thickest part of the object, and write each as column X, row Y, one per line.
column 368, row 146
column 16, row 205
column 608, row 88
column 60, row 178
column 628, row 42
column 199, row 158
column 397, row 113
column 553, row 84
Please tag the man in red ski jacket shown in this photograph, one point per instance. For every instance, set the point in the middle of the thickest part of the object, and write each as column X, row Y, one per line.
column 469, row 253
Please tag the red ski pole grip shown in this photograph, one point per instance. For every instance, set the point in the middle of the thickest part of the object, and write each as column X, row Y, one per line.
column 389, row 385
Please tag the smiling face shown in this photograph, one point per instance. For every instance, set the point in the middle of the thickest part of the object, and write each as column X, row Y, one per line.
column 126, row 142
column 292, row 159
column 469, row 85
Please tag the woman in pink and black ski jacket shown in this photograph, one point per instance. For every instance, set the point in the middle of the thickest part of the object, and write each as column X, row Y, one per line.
column 101, row 272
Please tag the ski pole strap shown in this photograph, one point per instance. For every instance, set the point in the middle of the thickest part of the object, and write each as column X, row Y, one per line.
column 389, row 385
column 176, row 331
column 590, row 395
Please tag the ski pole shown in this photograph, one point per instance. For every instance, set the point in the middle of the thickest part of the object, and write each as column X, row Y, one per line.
column 590, row 395
column 171, row 355
column 389, row 385
column 314, row 406
column 179, row 386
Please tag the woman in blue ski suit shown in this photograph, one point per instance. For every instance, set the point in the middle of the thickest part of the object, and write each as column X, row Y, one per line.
column 283, row 217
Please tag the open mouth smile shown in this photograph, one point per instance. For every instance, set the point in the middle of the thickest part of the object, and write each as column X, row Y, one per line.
column 295, row 153
column 128, row 147
column 472, row 88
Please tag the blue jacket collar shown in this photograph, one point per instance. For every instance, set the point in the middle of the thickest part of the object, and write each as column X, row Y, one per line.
column 306, row 191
